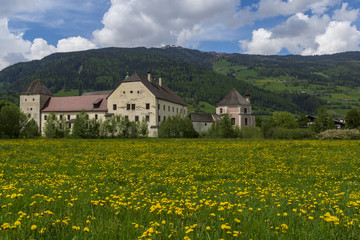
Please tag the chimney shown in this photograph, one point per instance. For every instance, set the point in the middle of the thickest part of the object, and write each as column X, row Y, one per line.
column 149, row 76
column 160, row 81
column 247, row 96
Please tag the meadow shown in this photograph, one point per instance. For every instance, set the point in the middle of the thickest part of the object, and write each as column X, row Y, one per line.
column 179, row 189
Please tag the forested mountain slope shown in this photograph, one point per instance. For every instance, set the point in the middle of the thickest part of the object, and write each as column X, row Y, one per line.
column 196, row 76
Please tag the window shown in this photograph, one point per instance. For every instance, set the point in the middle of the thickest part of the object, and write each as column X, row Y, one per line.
column 114, row 107
column 30, row 109
column 205, row 124
column 159, row 106
column 245, row 110
column 133, row 106
column 123, row 92
column 69, row 125
column 221, row 110
column 33, row 99
column 127, row 106
column 138, row 92
column 169, row 108
column 60, row 117
column 25, row 99
column 148, row 106
column 127, row 117
column 147, row 118
column 164, row 107
column 45, row 117
column 164, row 118
column 173, row 109
column 29, row 115
column 136, row 118
column 96, row 116
column 232, row 121
column 177, row 110
column 68, row 117
column 131, row 91
column 246, row 121
column 159, row 118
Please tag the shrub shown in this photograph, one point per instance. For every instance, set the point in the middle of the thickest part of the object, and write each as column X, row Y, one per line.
column 176, row 126
column 297, row 133
column 339, row 134
column 251, row 132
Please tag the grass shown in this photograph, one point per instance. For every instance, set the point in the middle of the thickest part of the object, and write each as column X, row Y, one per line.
column 63, row 93
column 179, row 189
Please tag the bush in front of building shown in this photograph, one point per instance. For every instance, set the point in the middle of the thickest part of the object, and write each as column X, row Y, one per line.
column 14, row 123
column 339, row 134
column 177, row 127
column 55, row 128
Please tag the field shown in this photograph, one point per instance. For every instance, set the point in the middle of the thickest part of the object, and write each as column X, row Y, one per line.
column 179, row 189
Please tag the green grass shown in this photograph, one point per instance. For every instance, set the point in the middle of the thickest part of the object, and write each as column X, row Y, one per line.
column 63, row 93
column 179, row 189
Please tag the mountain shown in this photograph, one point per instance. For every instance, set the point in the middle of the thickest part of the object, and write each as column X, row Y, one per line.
column 199, row 77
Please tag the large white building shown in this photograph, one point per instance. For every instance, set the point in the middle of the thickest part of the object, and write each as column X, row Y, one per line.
column 136, row 98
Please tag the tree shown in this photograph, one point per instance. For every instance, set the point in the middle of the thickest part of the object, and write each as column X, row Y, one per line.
column 143, row 128
column 226, row 128
column 31, row 129
column 12, row 120
column 302, row 121
column 55, row 128
column 321, row 120
column 175, row 127
column 352, row 119
column 284, row 120
column 330, row 123
column 81, row 126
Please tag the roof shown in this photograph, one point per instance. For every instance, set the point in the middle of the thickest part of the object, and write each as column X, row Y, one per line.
column 76, row 104
column 36, row 87
column 97, row 93
column 233, row 98
column 203, row 117
column 161, row 92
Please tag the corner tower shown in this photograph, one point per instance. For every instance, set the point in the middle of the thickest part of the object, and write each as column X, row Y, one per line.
column 33, row 98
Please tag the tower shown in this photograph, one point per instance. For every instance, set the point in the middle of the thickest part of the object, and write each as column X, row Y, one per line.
column 33, row 98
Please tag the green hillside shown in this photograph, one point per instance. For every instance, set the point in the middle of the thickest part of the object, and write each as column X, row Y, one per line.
column 276, row 83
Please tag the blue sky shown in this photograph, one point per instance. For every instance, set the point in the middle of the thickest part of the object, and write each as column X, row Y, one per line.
column 33, row 29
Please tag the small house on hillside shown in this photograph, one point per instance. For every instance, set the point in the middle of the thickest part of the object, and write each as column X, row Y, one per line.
column 238, row 108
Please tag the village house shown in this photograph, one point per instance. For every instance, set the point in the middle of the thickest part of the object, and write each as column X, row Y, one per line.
column 236, row 106
column 136, row 98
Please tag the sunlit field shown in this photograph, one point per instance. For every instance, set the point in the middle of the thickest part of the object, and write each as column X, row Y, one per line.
column 179, row 189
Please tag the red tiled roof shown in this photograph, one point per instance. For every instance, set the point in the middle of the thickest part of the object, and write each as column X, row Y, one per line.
column 76, row 104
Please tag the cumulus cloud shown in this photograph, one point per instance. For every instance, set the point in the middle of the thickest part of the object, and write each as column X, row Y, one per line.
column 343, row 14
column 13, row 48
column 339, row 37
column 157, row 22
column 308, row 34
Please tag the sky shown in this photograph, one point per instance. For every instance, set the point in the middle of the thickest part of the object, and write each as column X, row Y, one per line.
column 33, row 29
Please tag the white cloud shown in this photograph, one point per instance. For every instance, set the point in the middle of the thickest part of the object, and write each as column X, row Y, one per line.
column 343, row 14
column 10, row 45
column 295, row 34
column 155, row 22
column 13, row 48
column 308, row 35
column 339, row 37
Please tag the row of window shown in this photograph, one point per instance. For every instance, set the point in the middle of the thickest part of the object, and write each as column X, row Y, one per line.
column 132, row 92
column 233, row 120
column 61, row 117
column 32, row 99
column 132, row 106
column 245, row 110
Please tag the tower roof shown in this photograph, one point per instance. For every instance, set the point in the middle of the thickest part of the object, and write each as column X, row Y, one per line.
column 233, row 98
column 36, row 87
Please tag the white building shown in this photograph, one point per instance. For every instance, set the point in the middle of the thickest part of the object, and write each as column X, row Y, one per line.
column 136, row 98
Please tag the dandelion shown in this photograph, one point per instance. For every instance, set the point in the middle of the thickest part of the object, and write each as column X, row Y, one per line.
column 33, row 227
